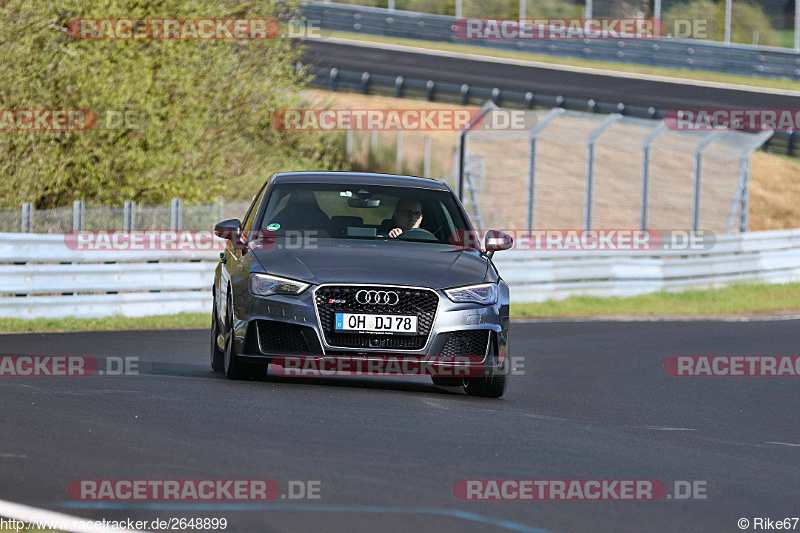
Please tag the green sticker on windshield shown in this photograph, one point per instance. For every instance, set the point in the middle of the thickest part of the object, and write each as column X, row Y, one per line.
column 273, row 227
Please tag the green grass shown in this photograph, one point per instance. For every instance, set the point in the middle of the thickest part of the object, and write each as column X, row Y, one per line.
column 699, row 75
column 744, row 299
column 738, row 300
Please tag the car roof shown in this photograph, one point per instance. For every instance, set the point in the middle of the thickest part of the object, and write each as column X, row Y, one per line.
column 361, row 178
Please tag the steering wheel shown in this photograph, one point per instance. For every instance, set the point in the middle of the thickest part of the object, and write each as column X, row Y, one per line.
column 417, row 234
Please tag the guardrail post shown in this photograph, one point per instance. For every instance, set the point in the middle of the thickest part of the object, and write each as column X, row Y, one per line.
column 176, row 214
column 459, row 8
column 77, row 215
column 334, row 78
column 373, row 141
column 523, row 9
column 398, row 86
column 430, row 90
column 221, row 206
column 464, row 94
column 365, row 83
column 26, row 225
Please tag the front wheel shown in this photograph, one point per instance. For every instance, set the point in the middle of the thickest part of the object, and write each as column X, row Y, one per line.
column 233, row 366
column 217, row 355
column 492, row 384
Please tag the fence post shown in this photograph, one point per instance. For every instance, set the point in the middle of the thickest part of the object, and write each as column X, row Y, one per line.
column 221, row 205
column 129, row 215
column 426, row 161
column 348, row 148
column 648, row 141
column 176, row 214
column 744, row 208
column 698, row 168
column 532, row 135
column 593, row 136
column 77, row 215
column 399, row 153
column 373, row 142
column 26, row 225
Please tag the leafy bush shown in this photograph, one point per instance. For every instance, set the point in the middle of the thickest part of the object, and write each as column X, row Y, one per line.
column 208, row 104
column 746, row 18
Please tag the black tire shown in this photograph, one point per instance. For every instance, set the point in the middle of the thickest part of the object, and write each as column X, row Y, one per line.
column 234, row 369
column 442, row 381
column 492, row 384
column 217, row 355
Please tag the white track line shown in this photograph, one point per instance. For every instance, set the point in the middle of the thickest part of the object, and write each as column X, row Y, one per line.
column 565, row 68
column 28, row 514
column 699, row 318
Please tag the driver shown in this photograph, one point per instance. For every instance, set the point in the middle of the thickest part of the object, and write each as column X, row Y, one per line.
column 407, row 215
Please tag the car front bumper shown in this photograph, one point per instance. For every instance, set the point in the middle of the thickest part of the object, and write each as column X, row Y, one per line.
column 271, row 328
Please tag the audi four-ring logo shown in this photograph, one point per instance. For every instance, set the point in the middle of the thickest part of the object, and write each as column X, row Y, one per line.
column 377, row 297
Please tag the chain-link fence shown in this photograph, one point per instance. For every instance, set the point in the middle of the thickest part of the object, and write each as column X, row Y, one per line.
column 409, row 152
column 130, row 216
column 574, row 170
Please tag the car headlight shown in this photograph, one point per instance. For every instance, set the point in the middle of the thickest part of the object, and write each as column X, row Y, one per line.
column 485, row 293
column 266, row 285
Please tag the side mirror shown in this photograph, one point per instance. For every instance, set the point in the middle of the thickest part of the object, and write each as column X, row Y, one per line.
column 230, row 230
column 497, row 241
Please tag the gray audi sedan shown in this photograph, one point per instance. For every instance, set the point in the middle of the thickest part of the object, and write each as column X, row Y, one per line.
column 370, row 267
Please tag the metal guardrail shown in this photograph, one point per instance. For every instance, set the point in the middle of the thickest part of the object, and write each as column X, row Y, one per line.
column 666, row 52
column 42, row 278
column 770, row 257
column 781, row 142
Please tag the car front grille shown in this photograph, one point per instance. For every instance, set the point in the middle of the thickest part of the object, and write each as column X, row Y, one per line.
column 419, row 302
column 470, row 342
column 282, row 338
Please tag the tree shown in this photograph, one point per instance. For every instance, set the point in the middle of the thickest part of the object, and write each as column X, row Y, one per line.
column 207, row 102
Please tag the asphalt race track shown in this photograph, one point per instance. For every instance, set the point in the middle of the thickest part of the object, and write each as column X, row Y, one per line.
column 603, row 88
column 594, row 403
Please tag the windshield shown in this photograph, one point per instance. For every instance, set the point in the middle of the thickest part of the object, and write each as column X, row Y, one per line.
column 363, row 212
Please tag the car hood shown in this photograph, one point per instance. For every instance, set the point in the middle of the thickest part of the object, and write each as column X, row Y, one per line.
column 377, row 262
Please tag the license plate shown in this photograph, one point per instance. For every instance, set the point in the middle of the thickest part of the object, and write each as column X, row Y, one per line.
column 376, row 323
